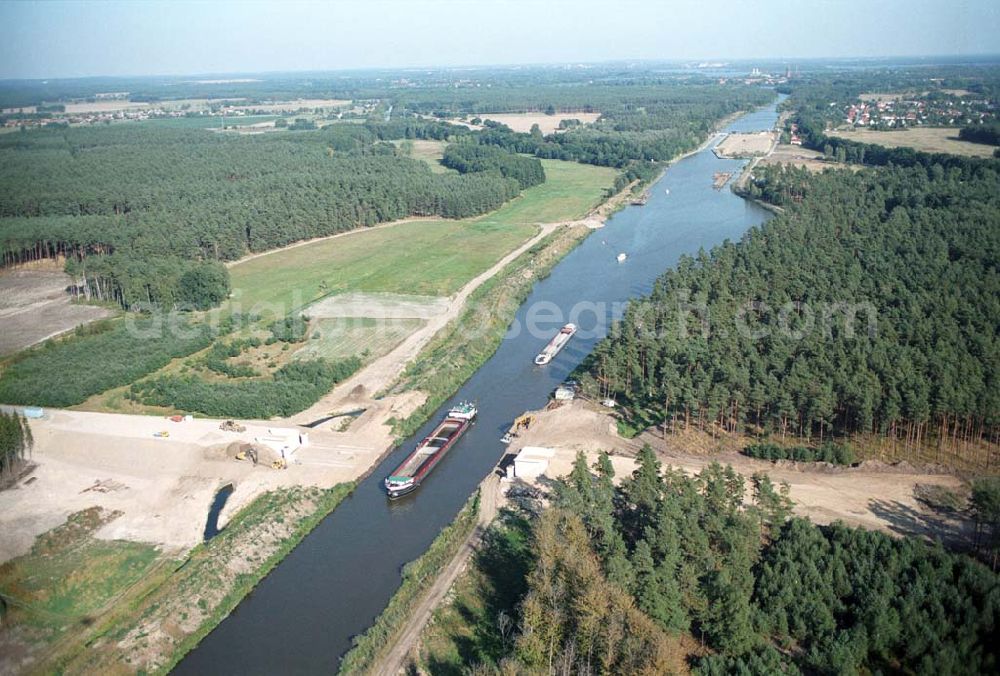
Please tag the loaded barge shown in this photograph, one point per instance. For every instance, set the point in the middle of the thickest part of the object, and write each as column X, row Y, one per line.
column 405, row 478
column 555, row 345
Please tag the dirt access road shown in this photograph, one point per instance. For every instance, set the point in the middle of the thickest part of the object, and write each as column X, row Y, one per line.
column 396, row 660
column 874, row 495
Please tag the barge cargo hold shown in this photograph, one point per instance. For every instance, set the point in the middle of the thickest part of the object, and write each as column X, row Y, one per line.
column 412, row 471
column 555, row 345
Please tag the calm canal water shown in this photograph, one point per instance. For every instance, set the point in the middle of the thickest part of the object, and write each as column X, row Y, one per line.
column 301, row 617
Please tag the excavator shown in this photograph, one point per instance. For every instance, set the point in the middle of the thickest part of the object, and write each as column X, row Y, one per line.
column 249, row 453
column 522, row 421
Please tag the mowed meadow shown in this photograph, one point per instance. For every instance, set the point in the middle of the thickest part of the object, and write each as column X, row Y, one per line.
column 429, row 257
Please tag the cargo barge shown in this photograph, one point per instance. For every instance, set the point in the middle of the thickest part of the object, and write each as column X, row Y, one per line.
column 555, row 345
column 412, row 471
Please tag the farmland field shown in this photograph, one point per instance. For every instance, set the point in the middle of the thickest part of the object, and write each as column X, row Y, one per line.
column 431, row 257
column 926, row 139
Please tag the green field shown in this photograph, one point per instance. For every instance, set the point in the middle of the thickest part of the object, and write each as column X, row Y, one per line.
column 433, row 258
column 69, row 575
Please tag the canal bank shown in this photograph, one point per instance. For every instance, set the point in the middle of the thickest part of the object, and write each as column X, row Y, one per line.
column 302, row 616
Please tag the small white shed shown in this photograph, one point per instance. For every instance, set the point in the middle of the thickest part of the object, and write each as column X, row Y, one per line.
column 532, row 461
column 283, row 441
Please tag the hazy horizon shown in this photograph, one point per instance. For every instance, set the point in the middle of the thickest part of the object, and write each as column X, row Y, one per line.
column 56, row 40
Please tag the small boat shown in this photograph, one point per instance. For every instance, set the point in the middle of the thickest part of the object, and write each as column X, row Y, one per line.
column 555, row 345
column 428, row 453
column 668, row 191
column 622, row 257
column 507, row 438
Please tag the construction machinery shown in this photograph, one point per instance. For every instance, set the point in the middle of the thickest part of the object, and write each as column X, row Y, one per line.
column 232, row 426
column 247, row 452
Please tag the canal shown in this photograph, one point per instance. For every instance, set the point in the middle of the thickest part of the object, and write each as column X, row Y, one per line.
column 301, row 617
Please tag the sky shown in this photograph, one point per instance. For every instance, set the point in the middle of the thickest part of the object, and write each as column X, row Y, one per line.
column 79, row 38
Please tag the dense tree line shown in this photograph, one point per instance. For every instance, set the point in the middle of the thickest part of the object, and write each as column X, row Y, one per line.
column 988, row 134
column 468, row 158
column 837, row 454
column 135, row 206
column 764, row 592
column 97, row 358
column 292, row 388
column 16, row 442
column 872, row 305
column 136, row 282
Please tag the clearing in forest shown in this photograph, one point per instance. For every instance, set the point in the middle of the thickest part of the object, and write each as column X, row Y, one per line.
column 522, row 122
column 430, row 152
column 926, row 139
column 34, row 305
column 424, row 257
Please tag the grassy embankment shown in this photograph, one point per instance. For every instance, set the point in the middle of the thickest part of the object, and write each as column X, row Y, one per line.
column 467, row 628
column 371, row 645
column 85, row 605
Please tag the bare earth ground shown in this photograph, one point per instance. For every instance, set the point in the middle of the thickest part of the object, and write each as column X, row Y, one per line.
column 874, row 495
column 799, row 157
column 34, row 306
column 927, row 139
column 163, row 486
column 746, row 144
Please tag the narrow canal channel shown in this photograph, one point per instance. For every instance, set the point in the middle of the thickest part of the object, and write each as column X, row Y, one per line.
column 301, row 618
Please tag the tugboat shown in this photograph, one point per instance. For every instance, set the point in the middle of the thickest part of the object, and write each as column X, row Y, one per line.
column 412, row 471
column 555, row 345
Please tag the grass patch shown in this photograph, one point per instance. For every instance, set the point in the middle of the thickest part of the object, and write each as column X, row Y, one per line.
column 432, row 258
column 69, row 575
column 468, row 630
column 427, row 151
column 154, row 630
column 416, row 576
